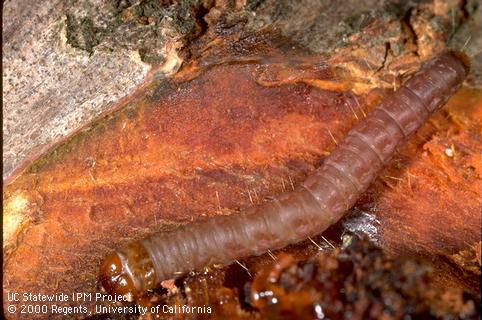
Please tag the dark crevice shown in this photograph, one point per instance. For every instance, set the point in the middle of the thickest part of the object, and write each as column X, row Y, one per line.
column 237, row 278
column 409, row 28
column 385, row 56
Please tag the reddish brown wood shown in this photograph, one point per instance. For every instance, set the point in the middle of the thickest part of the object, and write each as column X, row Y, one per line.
column 310, row 209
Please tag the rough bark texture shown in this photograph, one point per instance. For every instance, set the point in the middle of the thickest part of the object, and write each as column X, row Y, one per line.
column 67, row 62
column 251, row 112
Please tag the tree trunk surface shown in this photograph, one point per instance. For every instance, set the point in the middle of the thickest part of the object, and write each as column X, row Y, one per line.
column 122, row 119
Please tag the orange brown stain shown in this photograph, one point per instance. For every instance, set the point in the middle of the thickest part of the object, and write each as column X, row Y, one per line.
column 434, row 209
column 188, row 147
column 181, row 151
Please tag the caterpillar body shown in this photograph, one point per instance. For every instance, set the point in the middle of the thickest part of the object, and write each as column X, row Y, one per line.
column 320, row 201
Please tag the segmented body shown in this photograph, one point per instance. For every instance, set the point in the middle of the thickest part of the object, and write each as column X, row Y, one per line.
column 317, row 203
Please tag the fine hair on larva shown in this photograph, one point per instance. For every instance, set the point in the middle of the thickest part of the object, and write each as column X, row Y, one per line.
column 320, row 201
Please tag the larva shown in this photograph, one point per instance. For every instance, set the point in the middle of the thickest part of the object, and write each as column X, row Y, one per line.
column 320, row 201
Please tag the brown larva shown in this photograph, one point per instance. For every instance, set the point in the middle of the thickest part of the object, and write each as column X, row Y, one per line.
column 310, row 209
